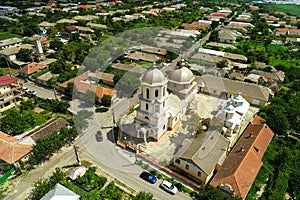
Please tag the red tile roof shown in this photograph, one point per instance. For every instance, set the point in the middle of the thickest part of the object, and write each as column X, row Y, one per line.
column 84, row 6
column 244, row 161
column 285, row 30
column 258, row 120
column 10, row 150
column 83, row 87
column 7, row 80
column 32, row 68
column 46, row 42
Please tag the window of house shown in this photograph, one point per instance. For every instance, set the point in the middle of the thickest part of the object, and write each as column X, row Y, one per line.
column 164, row 127
column 199, row 173
column 164, row 91
column 156, row 93
column 187, row 167
column 177, row 161
column 147, row 93
column 215, row 91
column 146, row 117
column 147, row 106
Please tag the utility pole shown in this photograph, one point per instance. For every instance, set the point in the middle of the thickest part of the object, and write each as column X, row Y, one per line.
column 77, row 155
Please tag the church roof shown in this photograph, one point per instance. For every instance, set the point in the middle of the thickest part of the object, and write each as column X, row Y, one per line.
column 182, row 75
column 154, row 77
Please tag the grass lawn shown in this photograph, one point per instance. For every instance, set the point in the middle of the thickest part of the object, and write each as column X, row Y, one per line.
column 290, row 9
column 6, row 35
column 144, row 64
column 253, row 46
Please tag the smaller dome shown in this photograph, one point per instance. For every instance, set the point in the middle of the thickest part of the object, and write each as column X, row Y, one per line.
column 182, row 75
column 153, row 77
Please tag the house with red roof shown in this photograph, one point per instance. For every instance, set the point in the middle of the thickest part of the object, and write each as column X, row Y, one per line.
column 10, row 91
column 30, row 69
column 11, row 150
column 240, row 168
column 83, row 84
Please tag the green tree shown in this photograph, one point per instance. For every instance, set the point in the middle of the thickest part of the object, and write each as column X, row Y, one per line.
column 25, row 55
column 26, row 105
column 106, row 100
column 127, row 85
column 56, row 44
column 80, row 119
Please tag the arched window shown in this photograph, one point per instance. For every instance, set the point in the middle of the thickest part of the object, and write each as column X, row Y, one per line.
column 147, row 107
column 147, row 93
column 146, row 117
column 156, row 93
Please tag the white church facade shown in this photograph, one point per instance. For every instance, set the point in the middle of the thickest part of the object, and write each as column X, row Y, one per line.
column 163, row 101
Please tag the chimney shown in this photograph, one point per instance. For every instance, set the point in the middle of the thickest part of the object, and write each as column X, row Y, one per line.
column 250, row 135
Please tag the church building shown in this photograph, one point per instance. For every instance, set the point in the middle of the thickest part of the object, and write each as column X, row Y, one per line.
column 163, row 101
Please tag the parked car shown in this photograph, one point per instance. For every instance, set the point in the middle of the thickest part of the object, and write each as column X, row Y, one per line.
column 148, row 177
column 32, row 92
column 99, row 136
column 169, row 187
column 24, row 88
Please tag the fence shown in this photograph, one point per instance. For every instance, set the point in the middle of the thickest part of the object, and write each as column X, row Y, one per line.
column 6, row 175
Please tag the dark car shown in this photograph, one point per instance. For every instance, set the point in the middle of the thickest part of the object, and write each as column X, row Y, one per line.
column 148, row 177
column 99, row 136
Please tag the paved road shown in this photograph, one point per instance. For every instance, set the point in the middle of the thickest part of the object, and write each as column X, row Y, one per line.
column 23, row 187
column 40, row 91
column 113, row 160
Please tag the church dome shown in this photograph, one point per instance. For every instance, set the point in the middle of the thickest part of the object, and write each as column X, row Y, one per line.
column 182, row 75
column 153, row 77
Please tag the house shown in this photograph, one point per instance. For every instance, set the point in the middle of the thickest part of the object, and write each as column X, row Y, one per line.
column 292, row 40
column 106, row 78
column 236, row 175
column 31, row 68
column 52, row 125
column 240, row 25
column 153, row 50
column 275, row 75
column 287, row 31
column 222, row 45
column 185, row 33
column 85, row 17
column 143, row 56
column 204, row 156
column 11, row 150
column 43, row 79
column 60, row 192
column 82, row 6
column 67, row 31
column 220, row 15
column 68, row 21
column 83, row 84
column 93, row 25
column 45, row 24
column 206, row 59
column 228, row 36
column 231, row 56
column 10, row 91
column 132, row 68
column 12, row 42
column 196, row 26
column 256, row 95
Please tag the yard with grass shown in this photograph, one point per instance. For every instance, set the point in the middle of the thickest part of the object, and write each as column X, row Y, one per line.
column 6, row 35
column 290, row 9
column 9, row 71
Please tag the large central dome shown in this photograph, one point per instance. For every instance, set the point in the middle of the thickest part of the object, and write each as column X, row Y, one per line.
column 182, row 75
column 154, row 77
